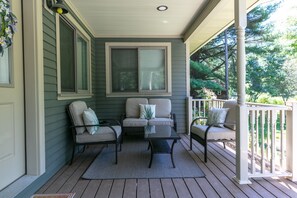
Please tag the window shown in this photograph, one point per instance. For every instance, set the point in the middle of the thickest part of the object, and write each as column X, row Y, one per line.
column 73, row 60
column 5, row 69
column 135, row 69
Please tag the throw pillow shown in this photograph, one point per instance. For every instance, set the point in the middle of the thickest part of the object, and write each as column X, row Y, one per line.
column 90, row 118
column 147, row 111
column 217, row 115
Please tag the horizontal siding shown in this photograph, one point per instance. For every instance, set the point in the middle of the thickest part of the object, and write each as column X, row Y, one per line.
column 58, row 142
column 113, row 107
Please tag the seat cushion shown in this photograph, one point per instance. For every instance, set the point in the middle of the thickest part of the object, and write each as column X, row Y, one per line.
column 231, row 115
column 102, row 134
column 134, row 122
column 214, row 133
column 76, row 110
column 132, row 106
column 163, row 107
column 161, row 121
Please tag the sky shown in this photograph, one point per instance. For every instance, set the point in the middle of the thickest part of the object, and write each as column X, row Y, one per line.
column 288, row 8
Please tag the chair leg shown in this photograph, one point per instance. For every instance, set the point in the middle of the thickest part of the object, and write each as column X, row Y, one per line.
column 190, row 142
column 73, row 151
column 205, row 152
column 116, row 153
column 224, row 143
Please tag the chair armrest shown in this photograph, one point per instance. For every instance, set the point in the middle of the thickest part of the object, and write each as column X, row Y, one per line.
column 199, row 118
column 109, row 122
column 173, row 117
column 123, row 116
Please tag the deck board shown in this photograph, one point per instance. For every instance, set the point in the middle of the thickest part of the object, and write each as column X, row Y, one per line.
column 104, row 189
column 117, row 188
column 218, row 181
column 181, row 188
column 91, row 189
column 155, row 188
column 168, row 188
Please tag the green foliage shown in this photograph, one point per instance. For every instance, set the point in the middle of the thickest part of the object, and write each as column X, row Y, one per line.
column 203, row 79
column 271, row 59
column 266, row 99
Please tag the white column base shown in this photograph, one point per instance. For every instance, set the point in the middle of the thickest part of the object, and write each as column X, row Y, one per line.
column 242, row 181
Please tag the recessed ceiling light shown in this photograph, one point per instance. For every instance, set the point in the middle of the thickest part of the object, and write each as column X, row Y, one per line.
column 162, row 8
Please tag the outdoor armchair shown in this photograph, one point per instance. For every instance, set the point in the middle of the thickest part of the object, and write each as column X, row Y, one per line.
column 220, row 126
column 86, row 129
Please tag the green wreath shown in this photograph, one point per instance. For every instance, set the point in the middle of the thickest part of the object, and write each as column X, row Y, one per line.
column 7, row 25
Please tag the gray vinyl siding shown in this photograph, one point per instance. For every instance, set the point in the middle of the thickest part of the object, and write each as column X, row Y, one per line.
column 58, row 140
column 58, row 143
column 113, row 107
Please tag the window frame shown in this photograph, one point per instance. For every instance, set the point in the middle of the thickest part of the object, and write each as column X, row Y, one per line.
column 78, row 31
column 139, row 45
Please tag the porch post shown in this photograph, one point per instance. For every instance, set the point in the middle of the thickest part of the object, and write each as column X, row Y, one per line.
column 189, row 98
column 241, row 132
column 292, row 141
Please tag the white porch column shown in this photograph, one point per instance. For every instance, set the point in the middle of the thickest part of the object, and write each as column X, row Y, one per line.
column 241, row 132
column 291, row 141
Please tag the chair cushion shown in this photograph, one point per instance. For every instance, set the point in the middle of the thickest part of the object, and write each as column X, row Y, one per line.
column 214, row 133
column 134, row 122
column 103, row 134
column 132, row 106
column 147, row 111
column 90, row 118
column 76, row 110
column 217, row 115
column 163, row 107
column 161, row 121
column 231, row 115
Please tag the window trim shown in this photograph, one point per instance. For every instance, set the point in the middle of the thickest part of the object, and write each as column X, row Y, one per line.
column 82, row 33
column 138, row 45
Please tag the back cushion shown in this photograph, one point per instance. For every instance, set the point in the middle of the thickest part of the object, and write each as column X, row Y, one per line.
column 76, row 110
column 163, row 107
column 132, row 107
column 231, row 115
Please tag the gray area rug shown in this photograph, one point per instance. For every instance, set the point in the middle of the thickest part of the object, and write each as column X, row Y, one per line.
column 134, row 159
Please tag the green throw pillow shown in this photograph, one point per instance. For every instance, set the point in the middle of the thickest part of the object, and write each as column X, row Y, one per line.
column 217, row 115
column 147, row 111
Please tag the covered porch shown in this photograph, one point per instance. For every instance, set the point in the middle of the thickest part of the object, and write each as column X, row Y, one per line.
column 48, row 143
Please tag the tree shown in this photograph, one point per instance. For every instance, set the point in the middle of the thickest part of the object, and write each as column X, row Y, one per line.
column 201, row 78
column 264, row 54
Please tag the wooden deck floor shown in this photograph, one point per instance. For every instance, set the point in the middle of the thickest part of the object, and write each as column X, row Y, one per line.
column 218, row 182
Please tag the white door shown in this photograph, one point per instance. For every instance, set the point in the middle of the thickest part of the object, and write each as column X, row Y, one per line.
column 12, row 129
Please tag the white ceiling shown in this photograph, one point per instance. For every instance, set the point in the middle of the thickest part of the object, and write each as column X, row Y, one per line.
column 137, row 18
column 196, row 21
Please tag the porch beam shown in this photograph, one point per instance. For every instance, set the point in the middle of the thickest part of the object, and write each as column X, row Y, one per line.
column 241, row 128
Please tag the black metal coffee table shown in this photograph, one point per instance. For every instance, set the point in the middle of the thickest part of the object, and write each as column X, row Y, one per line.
column 158, row 137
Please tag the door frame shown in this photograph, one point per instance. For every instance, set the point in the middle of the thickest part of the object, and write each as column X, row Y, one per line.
column 32, row 29
column 34, row 87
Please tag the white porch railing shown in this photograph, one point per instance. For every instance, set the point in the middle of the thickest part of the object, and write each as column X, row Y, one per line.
column 272, row 136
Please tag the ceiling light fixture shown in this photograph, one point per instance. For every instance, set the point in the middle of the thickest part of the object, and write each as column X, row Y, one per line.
column 162, row 8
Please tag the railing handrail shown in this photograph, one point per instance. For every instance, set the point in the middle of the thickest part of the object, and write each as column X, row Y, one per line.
column 275, row 107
